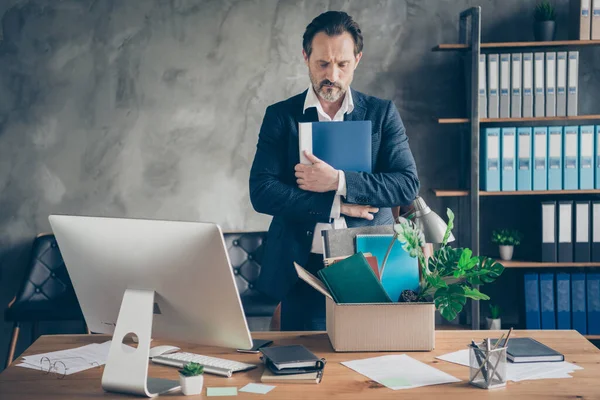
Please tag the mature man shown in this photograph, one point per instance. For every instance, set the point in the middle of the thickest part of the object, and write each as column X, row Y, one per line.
column 306, row 199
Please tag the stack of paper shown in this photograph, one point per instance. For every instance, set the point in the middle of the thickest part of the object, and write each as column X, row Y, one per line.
column 400, row 372
column 71, row 360
column 523, row 371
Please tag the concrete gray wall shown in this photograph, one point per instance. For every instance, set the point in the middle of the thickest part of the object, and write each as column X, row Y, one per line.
column 147, row 108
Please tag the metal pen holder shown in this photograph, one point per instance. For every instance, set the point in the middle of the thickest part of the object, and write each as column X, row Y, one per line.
column 487, row 369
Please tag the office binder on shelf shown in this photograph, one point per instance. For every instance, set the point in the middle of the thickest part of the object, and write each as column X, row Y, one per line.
column 593, row 303
column 527, row 85
column 586, row 157
column 563, row 301
column 532, row 301
column 493, row 72
column 515, row 86
column 555, row 158
column 504, row 85
column 578, row 302
column 539, row 97
column 597, row 157
column 565, row 231
column 570, row 158
column 549, row 232
column 547, row 301
column 345, row 145
column 524, row 160
column 595, row 226
column 490, row 160
column 551, row 84
column 540, row 158
column 561, row 84
column 508, row 176
column 595, row 34
column 579, row 20
column 582, row 246
column 482, row 87
column 573, row 83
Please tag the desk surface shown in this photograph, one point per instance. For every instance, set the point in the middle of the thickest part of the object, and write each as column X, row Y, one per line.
column 338, row 382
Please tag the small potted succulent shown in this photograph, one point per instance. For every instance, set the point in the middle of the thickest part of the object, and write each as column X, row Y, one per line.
column 506, row 239
column 493, row 321
column 544, row 26
column 191, row 378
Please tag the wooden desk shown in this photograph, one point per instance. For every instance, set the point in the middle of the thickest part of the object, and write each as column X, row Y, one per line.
column 338, row 382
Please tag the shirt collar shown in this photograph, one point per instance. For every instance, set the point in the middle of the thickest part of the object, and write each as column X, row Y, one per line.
column 312, row 100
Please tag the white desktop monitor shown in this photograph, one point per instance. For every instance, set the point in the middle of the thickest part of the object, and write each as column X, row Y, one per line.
column 185, row 263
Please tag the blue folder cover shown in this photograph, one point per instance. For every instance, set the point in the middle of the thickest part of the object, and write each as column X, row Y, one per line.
column 547, row 301
column 490, row 160
column 578, row 306
column 525, row 159
column 563, row 300
column 508, row 175
column 570, row 158
column 532, row 301
column 401, row 270
column 540, row 158
column 586, row 157
column 555, row 158
column 597, row 156
column 345, row 145
column 593, row 303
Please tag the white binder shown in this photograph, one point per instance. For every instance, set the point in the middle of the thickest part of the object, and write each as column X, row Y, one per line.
column 595, row 20
column 539, row 96
column 561, row 84
column 579, row 20
column 505, row 86
column 493, row 82
column 482, row 87
column 573, row 82
column 515, row 86
column 550, row 84
column 527, row 85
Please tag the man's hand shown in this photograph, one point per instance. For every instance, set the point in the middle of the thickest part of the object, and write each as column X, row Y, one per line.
column 319, row 177
column 358, row 211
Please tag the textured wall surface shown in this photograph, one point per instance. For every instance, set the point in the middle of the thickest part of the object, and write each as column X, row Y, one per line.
column 147, row 108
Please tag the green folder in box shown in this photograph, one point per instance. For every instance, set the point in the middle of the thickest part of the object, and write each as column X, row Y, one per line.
column 352, row 281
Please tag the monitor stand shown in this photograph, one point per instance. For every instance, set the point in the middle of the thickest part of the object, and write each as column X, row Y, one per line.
column 127, row 371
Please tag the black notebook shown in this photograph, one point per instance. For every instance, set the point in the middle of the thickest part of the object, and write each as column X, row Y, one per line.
column 528, row 350
column 294, row 356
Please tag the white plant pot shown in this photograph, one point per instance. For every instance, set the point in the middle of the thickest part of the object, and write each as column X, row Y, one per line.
column 191, row 385
column 494, row 324
column 506, row 252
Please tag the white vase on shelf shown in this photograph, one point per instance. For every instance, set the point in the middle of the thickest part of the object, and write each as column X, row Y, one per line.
column 494, row 324
column 191, row 385
column 506, row 252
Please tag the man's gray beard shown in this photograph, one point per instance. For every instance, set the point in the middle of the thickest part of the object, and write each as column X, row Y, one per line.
column 331, row 96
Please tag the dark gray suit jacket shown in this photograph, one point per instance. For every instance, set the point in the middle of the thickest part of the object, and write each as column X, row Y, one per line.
column 273, row 188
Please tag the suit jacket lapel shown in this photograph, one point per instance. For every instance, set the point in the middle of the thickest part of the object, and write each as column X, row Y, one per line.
column 358, row 114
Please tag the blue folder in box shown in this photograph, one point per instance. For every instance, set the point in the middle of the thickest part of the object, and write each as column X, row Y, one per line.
column 401, row 270
column 597, row 157
column 578, row 306
column 345, row 145
column 593, row 303
column 532, row 301
column 490, row 160
column 563, row 300
column 508, row 175
column 547, row 301
column 524, row 161
column 586, row 157
column 540, row 158
column 555, row 158
column 571, row 158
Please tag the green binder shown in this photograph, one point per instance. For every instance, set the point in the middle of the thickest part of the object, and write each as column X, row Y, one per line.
column 352, row 281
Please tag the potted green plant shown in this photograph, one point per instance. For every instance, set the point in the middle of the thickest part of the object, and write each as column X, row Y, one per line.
column 544, row 26
column 493, row 321
column 191, row 378
column 449, row 275
column 506, row 239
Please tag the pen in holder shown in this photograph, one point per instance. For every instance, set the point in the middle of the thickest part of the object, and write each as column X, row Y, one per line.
column 487, row 368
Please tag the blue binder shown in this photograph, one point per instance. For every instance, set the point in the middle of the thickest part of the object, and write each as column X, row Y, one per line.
column 593, row 303
column 524, row 161
column 532, row 301
column 586, row 157
column 508, row 176
column 401, row 270
column 540, row 158
column 555, row 158
column 578, row 299
column 597, row 157
column 490, row 160
column 547, row 301
column 570, row 158
column 563, row 300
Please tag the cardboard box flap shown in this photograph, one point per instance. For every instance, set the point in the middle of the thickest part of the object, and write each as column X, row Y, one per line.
column 312, row 280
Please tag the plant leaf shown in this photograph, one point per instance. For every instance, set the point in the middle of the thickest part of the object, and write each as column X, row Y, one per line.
column 450, row 301
column 475, row 294
column 449, row 227
column 487, row 271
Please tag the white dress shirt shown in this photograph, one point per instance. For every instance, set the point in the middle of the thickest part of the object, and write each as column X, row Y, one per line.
column 339, row 222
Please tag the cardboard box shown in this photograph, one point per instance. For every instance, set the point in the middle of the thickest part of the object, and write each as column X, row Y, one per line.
column 376, row 326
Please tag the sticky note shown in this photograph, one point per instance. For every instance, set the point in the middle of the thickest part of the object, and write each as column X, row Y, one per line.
column 257, row 388
column 395, row 382
column 221, row 391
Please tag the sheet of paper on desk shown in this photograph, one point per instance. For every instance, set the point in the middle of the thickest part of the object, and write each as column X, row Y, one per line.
column 522, row 371
column 399, row 372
